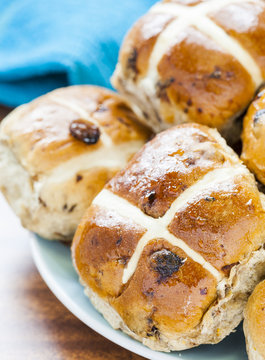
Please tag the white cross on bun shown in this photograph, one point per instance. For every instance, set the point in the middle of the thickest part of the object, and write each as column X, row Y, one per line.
column 58, row 151
column 254, row 323
column 194, row 61
column 171, row 247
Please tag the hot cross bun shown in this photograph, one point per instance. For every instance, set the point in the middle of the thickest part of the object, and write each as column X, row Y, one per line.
column 194, row 61
column 171, row 247
column 57, row 153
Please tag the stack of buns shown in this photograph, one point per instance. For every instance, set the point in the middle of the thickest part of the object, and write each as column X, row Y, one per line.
column 172, row 238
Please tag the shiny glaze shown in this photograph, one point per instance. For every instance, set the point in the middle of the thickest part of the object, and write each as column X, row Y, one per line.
column 40, row 136
column 208, row 84
column 173, row 305
column 166, row 166
column 120, row 122
column 245, row 22
column 221, row 222
column 139, row 43
column 253, row 137
column 255, row 318
column 109, row 110
column 102, row 247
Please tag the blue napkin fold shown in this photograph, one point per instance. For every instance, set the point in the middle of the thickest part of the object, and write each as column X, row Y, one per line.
column 45, row 44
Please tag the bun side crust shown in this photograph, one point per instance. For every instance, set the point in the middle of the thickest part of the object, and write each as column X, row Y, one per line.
column 172, row 290
column 254, row 323
column 49, row 176
column 253, row 136
column 253, row 354
column 224, row 315
column 52, row 210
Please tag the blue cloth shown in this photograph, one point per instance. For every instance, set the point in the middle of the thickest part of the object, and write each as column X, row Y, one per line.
column 45, row 44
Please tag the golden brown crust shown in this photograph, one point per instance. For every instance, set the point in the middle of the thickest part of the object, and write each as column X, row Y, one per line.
column 253, row 137
column 41, row 137
column 103, row 245
column 206, row 83
column 170, row 303
column 233, row 211
column 108, row 109
column 139, row 43
column 185, row 153
column 170, row 287
column 247, row 28
column 255, row 321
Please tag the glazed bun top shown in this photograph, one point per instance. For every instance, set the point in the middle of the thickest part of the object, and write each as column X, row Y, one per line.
column 253, row 137
column 195, row 60
column 68, row 123
column 167, row 229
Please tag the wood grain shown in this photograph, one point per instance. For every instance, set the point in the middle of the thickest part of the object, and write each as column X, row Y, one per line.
column 4, row 110
column 34, row 325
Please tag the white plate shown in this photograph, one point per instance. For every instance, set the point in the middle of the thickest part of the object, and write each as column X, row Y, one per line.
column 53, row 260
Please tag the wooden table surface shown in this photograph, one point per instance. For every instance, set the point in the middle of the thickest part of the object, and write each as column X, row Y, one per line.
column 34, row 325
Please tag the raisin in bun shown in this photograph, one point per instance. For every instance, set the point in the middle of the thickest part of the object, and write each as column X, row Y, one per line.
column 253, row 137
column 254, row 323
column 58, row 151
column 171, row 247
column 194, row 61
